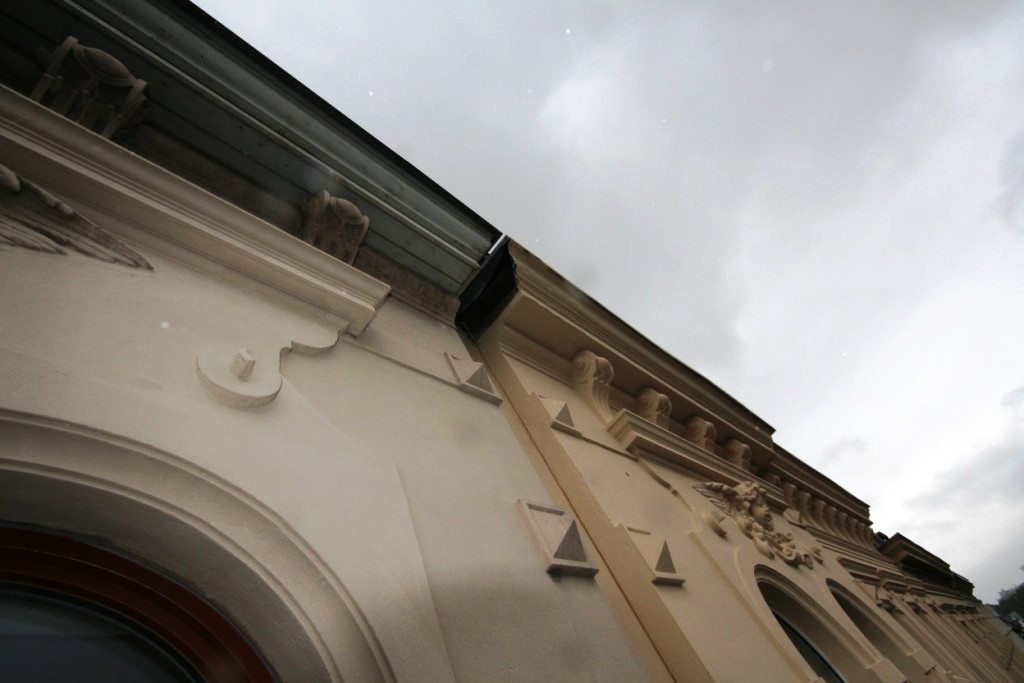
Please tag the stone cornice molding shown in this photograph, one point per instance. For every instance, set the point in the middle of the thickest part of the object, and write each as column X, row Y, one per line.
column 638, row 436
column 687, row 390
column 166, row 210
column 789, row 467
column 548, row 323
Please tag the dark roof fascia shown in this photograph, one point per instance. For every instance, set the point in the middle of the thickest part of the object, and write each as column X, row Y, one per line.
column 260, row 92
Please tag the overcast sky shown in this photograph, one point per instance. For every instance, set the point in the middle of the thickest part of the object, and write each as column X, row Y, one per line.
column 819, row 206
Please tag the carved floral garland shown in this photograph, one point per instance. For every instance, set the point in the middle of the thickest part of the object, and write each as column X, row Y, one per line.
column 746, row 502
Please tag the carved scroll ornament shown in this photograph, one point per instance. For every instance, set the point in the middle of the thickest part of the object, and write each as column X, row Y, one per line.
column 654, row 406
column 700, row 432
column 747, row 504
column 32, row 218
column 591, row 376
column 738, row 453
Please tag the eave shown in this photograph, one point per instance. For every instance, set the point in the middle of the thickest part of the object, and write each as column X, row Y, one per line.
column 211, row 92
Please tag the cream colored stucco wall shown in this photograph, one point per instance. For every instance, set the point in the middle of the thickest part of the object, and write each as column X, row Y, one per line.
column 360, row 525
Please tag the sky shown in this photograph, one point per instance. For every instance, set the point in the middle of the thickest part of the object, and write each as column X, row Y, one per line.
column 818, row 206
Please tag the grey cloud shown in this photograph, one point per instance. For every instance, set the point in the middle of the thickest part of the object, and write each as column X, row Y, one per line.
column 993, row 472
column 841, row 452
column 1011, row 201
column 993, row 475
column 705, row 104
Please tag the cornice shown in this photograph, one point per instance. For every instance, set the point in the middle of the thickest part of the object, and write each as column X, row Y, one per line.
column 169, row 211
column 641, row 436
column 201, row 56
column 599, row 329
column 788, row 466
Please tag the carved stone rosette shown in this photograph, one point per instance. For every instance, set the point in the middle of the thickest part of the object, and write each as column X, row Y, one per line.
column 747, row 504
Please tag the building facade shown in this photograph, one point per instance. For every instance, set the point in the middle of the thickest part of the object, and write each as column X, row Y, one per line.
column 278, row 407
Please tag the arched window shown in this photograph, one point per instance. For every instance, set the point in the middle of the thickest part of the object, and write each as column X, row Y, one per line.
column 815, row 659
column 72, row 611
column 817, row 643
column 875, row 632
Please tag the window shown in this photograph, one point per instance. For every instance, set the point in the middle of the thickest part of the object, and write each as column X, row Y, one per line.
column 72, row 611
column 814, row 659
column 47, row 637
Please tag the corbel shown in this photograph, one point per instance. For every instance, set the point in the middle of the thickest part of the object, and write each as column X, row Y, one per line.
column 591, row 376
column 654, row 407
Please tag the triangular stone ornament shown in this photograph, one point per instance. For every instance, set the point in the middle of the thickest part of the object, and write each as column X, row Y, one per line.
column 558, row 538
column 558, row 411
column 571, row 547
column 472, row 378
column 665, row 563
column 656, row 555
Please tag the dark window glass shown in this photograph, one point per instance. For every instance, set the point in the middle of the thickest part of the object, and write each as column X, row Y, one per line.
column 810, row 653
column 46, row 638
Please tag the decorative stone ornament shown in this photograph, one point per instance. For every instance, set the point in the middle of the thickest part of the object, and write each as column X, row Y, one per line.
column 658, row 557
column 558, row 411
column 472, row 378
column 700, row 432
column 334, row 225
column 738, row 453
column 654, row 406
column 238, row 378
column 591, row 376
column 884, row 599
column 90, row 87
column 747, row 504
column 557, row 537
column 32, row 218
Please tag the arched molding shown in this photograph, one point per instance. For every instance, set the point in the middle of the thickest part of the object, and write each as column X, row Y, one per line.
column 81, row 585
column 878, row 629
column 840, row 592
column 188, row 524
column 774, row 593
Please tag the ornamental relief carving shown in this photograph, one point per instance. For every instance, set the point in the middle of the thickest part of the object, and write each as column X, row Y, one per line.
column 32, row 218
column 333, row 225
column 654, row 406
column 591, row 376
column 90, row 87
column 700, row 432
column 747, row 504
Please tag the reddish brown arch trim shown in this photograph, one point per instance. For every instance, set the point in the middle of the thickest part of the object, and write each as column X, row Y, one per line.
column 185, row 622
